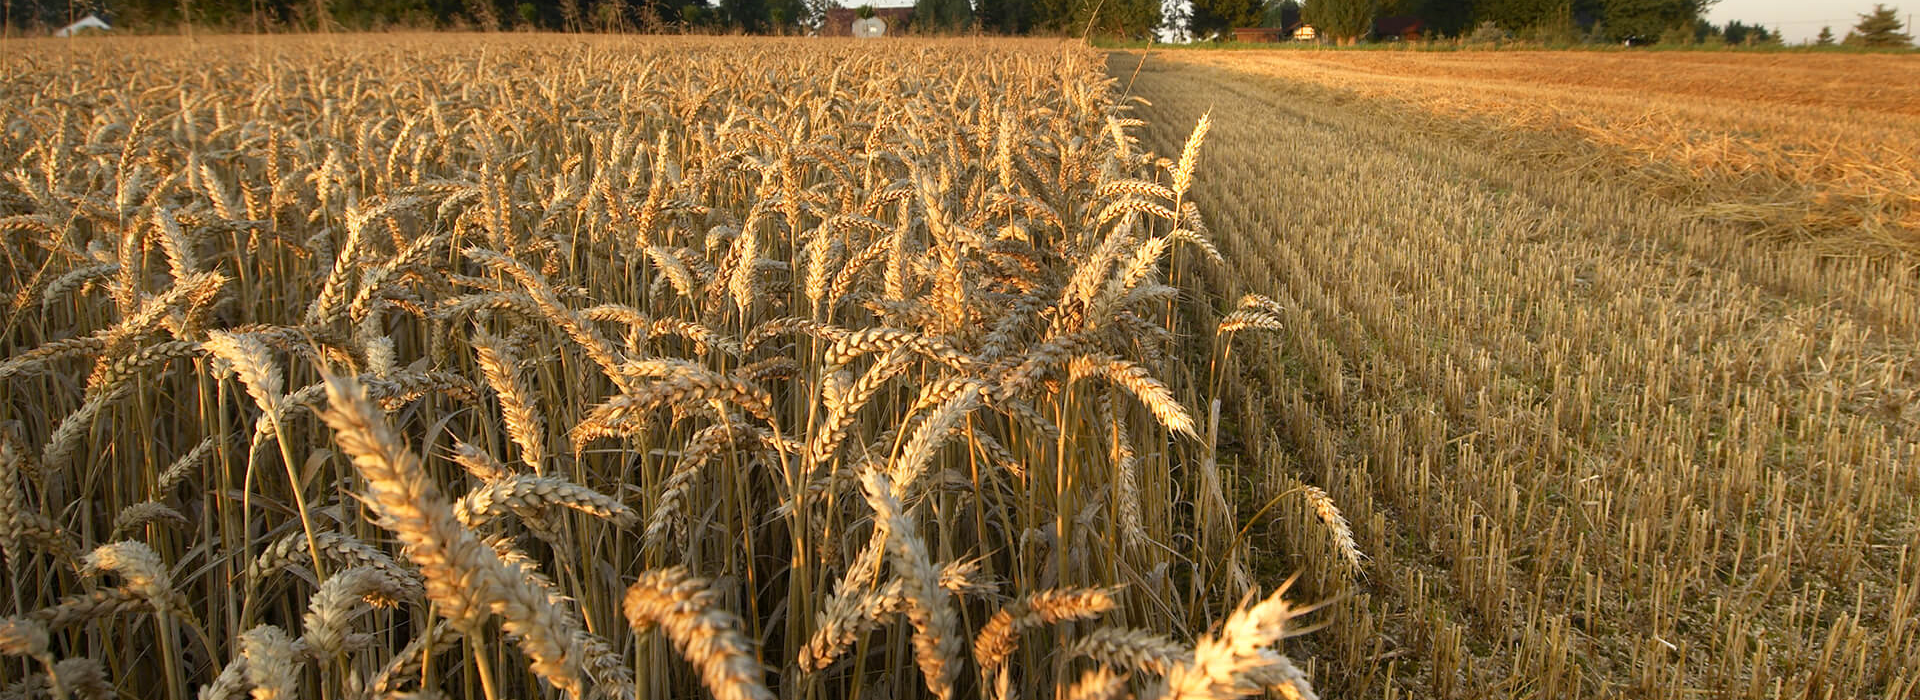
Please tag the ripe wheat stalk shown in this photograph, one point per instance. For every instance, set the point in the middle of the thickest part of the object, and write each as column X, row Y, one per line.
column 404, row 376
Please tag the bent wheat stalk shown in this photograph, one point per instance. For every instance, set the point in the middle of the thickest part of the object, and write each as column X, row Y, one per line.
column 464, row 578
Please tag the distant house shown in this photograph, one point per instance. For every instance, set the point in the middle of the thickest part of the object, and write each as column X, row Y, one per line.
column 840, row 20
column 1399, row 28
column 1304, row 32
column 1258, row 35
column 85, row 23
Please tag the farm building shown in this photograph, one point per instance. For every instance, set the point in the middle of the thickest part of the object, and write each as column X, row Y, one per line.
column 840, row 20
column 85, row 23
column 1399, row 28
column 1256, row 35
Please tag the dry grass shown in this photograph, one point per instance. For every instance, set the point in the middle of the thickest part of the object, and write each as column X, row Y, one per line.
column 1590, row 444
column 353, row 366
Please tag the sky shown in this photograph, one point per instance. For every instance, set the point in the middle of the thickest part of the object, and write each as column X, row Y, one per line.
column 1800, row 20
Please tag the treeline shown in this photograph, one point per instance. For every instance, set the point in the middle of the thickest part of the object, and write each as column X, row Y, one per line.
column 1549, row 21
column 763, row 16
column 1346, row 21
column 1545, row 22
column 1136, row 19
column 1124, row 18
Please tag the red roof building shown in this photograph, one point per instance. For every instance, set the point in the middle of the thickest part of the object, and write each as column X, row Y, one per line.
column 1258, row 35
column 1401, row 28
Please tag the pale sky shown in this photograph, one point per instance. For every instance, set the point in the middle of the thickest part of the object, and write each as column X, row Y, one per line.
column 1800, row 20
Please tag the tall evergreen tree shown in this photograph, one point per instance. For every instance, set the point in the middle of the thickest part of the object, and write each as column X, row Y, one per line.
column 746, row 15
column 1741, row 34
column 1131, row 19
column 374, row 14
column 786, row 16
column 1281, row 14
column 1218, row 17
column 482, row 12
column 1826, row 37
column 1704, row 30
column 1646, row 20
column 1880, row 29
column 1515, row 15
column 1005, row 16
column 1122, row 18
column 1345, row 21
column 1443, row 17
column 816, row 13
column 941, row 15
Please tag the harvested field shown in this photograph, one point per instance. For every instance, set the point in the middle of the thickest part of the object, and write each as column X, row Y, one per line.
column 1812, row 149
column 1592, row 443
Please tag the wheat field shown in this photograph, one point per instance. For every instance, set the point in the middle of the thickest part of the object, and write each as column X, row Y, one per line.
column 1596, row 438
column 506, row 367
column 516, row 366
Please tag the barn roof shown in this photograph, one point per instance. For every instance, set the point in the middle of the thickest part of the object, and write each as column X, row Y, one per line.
column 1400, row 24
column 91, row 21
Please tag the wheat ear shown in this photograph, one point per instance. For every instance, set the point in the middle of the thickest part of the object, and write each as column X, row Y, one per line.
column 846, row 617
column 334, row 547
column 182, row 467
column 1240, row 659
column 144, row 513
column 1330, row 516
column 406, row 663
column 23, row 637
column 67, row 437
column 926, row 441
column 1134, row 649
column 845, row 399
column 532, row 494
column 89, row 606
column 1136, row 380
column 1190, row 155
column 936, row 639
column 140, row 570
column 273, row 663
column 253, row 362
column 626, row 413
column 999, row 638
column 1098, row 684
column 686, row 609
column 1249, row 319
column 516, row 404
column 20, row 523
column 231, row 681
column 324, row 628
